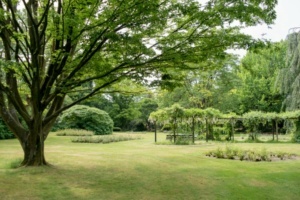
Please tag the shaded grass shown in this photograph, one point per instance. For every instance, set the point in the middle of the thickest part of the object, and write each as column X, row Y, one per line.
column 141, row 170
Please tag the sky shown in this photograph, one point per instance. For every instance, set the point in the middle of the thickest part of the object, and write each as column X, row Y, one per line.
column 288, row 16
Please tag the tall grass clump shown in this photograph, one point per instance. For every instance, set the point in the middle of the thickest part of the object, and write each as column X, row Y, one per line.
column 249, row 155
column 105, row 139
column 183, row 141
column 15, row 163
column 74, row 132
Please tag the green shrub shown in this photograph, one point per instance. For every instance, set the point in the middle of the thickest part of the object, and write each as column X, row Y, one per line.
column 5, row 133
column 201, row 137
column 117, row 129
column 183, row 141
column 166, row 127
column 219, row 153
column 73, row 132
column 87, row 118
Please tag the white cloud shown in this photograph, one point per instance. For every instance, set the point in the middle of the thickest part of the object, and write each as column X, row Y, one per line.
column 288, row 16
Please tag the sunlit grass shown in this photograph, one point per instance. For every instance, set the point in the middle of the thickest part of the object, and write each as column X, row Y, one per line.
column 139, row 169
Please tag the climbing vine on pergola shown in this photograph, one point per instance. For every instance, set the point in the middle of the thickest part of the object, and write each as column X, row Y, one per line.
column 177, row 116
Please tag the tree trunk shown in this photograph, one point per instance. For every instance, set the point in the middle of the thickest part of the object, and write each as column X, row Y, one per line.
column 273, row 129
column 193, row 130
column 232, row 130
column 33, row 149
column 207, row 130
column 155, row 132
column 276, row 128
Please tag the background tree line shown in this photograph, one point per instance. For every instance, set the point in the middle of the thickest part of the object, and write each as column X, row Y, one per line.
column 253, row 83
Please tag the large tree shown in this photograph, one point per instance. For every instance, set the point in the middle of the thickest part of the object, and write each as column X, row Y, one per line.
column 257, row 72
column 49, row 48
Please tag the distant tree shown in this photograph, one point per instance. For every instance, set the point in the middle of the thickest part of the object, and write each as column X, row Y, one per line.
column 51, row 48
column 258, row 72
column 203, row 89
column 146, row 106
column 289, row 76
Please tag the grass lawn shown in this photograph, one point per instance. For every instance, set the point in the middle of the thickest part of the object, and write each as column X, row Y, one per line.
column 139, row 169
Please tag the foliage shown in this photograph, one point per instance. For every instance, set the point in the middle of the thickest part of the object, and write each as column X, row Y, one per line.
column 211, row 116
column 194, row 113
column 288, row 78
column 5, row 133
column 179, row 118
column 203, row 89
column 74, row 132
column 248, row 155
column 51, row 49
column 257, row 73
column 187, row 119
column 253, row 118
column 147, row 106
column 15, row 163
column 123, row 110
column 233, row 85
column 296, row 134
column 183, row 141
column 105, row 139
column 116, row 129
column 87, row 118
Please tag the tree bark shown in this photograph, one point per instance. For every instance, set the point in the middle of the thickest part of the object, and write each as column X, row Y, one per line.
column 155, row 132
column 33, row 149
column 232, row 130
column 276, row 128
column 193, row 130
column 207, row 130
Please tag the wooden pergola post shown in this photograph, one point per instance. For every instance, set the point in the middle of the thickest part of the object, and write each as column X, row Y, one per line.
column 155, row 133
column 232, row 128
column 207, row 129
column 193, row 130
column 276, row 127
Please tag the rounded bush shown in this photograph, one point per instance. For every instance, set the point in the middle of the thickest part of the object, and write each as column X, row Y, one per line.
column 87, row 118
